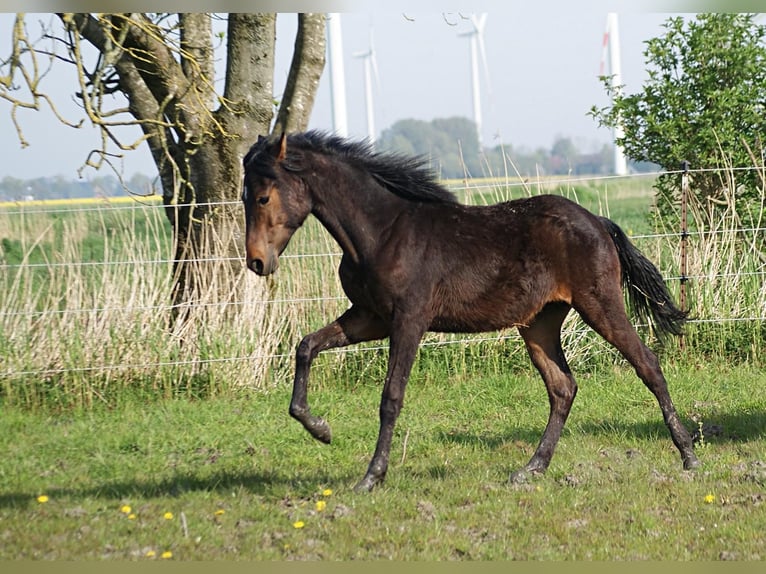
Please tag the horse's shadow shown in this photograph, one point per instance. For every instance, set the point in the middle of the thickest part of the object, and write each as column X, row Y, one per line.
column 739, row 426
column 270, row 485
column 729, row 427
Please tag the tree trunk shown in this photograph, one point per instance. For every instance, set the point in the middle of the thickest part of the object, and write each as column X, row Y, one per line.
column 209, row 245
column 305, row 71
column 165, row 69
column 208, row 232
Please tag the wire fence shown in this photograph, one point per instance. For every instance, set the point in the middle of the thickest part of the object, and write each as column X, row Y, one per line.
column 26, row 311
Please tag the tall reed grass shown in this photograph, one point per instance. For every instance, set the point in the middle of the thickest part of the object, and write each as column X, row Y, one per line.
column 74, row 331
column 726, row 266
column 85, row 314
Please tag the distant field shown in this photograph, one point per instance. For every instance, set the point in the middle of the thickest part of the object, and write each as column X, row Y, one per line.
column 76, row 201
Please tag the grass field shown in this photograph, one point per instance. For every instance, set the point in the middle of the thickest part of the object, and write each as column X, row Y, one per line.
column 236, row 478
column 124, row 439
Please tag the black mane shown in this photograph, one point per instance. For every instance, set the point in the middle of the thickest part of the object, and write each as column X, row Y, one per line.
column 406, row 176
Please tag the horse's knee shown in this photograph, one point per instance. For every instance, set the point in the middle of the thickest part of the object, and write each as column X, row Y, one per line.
column 566, row 390
column 390, row 406
column 561, row 393
column 304, row 352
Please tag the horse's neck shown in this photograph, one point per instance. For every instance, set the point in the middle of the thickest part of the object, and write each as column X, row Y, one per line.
column 357, row 216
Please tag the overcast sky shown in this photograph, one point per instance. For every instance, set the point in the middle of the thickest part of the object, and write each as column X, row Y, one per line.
column 543, row 78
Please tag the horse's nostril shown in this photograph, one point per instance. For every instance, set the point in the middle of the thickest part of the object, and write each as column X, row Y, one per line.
column 256, row 265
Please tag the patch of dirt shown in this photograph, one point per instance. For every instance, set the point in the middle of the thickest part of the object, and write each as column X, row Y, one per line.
column 340, row 511
column 426, row 510
column 570, row 480
column 632, row 453
column 576, row 523
column 756, row 473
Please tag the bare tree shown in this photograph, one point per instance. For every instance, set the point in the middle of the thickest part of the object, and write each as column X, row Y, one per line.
column 164, row 66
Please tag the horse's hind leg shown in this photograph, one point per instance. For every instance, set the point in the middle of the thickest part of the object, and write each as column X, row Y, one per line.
column 543, row 341
column 354, row 326
column 606, row 315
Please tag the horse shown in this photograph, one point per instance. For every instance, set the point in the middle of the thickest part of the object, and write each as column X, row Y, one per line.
column 416, row 260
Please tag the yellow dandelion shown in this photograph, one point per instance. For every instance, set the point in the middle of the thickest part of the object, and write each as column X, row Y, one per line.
column 219, row 512
column 168, row 516
column 167, row 554
column 710, row 498
column 321, row 505
column 299, row 524
column 151, row 554
column 327, row 492
column 42, row 499
column 131, row 516
column 125, row 509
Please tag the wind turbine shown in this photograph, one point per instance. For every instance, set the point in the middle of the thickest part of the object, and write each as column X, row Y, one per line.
column 337, row 76
column 476, row 36
column 611, row 46
column 370, row 69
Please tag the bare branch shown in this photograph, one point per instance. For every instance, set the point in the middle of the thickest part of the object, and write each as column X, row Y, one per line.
column 32, row 73
column 305, row 71
column 166, row 75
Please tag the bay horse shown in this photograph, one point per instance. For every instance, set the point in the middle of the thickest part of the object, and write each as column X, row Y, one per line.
column 416, row 260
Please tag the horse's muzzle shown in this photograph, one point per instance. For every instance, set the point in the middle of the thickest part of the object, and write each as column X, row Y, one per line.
column 262, row 266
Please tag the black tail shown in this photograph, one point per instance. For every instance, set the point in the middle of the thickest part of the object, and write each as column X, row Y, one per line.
column 647, row 293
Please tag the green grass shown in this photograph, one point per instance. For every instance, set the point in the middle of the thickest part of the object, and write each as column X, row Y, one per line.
column 237, row 474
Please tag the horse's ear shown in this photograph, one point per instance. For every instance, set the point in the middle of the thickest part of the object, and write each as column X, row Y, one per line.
column 282, row 147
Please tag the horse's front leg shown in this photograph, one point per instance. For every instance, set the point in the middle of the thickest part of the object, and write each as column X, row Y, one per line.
column 354, row 326
column 403, row 348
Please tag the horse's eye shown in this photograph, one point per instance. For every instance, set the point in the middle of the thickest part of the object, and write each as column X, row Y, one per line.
column 263, row 200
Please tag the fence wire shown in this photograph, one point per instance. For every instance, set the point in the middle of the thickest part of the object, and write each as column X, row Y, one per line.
column 467, row 186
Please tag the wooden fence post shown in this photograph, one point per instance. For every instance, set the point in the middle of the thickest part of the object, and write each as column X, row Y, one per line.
column 684, row 236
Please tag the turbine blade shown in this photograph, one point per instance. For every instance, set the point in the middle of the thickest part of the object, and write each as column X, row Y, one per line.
column 478, row 23
column 374, row 61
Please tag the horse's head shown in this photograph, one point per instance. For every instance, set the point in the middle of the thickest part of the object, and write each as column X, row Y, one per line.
column 276, row 203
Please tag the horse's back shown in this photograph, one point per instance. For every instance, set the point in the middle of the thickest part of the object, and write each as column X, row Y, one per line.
column 550, row 228
column 513, row 258
column 546, row 212
column 573, row 243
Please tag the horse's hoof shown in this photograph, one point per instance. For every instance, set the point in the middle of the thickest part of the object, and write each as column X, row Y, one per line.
column 519, row 477
column 691, row 462
column 523, row 475
column 365, row 485
column 320, row 430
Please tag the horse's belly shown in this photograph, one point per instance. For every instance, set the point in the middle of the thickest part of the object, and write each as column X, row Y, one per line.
column 473, row 323
column 500, row 307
